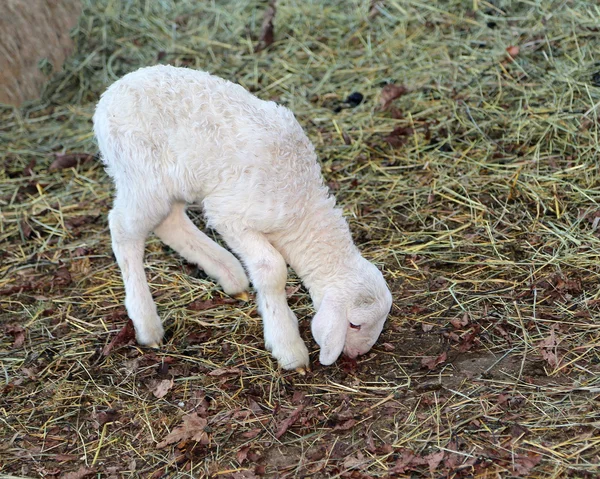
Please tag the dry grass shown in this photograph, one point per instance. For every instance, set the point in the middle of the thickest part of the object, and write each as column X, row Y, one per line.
column 482, row 209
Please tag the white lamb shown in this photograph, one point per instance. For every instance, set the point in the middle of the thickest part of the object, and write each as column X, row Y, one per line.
column 173, row 136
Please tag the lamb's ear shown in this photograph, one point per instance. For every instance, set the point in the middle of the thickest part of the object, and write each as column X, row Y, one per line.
column 329, row 328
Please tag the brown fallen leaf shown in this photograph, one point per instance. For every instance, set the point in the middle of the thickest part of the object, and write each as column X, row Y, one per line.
column 225, row 372
column 403, row 463
column 267, row 35
column 355, row 461
column 242, row 454
column 110, row 415
column 523, row 464
column 209, row 303
column 513, row 51
column 460, row 323
column 346, row 425
column 287, row 423
column 548, row 348
column 433, row 460
column 252, row 433
column 193, row 428
column 389, row 93
column 160, row 387
column 243, row 475
column 62, row 277
column 469, row 340
column 79, row 473
column 399, row 136
column 26, row 229
column 17, row 332
column 408, row 460
column 69, row 160
column 123, row 337
column 432, row 362
column 65, row 457
column 28, row 170
column 292, row 290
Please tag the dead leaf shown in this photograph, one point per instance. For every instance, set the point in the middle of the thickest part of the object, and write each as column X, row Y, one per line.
column 225, row 372
column 242, row 454
column 65, row 457
column 468, row 340
column 389, row 93
column 523, row 464
column 62, row 277
column 354, row 462
column 399, row 136
column 26, row 229
column 210, row 303
column 69, row 160
column 126, row 334
column 110, row 415
column 388, row 346
column 345, row 426
column 432, row 362
column 287, row 423
column 433, row 460
column 28, row 170
column 160, row 387
column 79, row 473
column 408, row 460
column 198, row 337
column 251, row 434
column 267, row 35
column 17, row 332
column 403, row 462
column 243, row 475
column 513, row 51
column 460, row 323
column 193, row 428
column 348, row 365
column 548, row 349
column 292, row 290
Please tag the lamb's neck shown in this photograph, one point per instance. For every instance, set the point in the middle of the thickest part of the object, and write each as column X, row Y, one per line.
column 321, row 249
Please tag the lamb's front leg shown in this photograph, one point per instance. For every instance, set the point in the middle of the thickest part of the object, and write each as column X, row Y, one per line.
column 268, row 273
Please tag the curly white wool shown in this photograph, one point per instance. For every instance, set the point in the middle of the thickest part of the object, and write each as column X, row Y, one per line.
column 172, row 136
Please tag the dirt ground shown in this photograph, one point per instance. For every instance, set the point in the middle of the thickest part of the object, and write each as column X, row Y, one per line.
column 468, row 170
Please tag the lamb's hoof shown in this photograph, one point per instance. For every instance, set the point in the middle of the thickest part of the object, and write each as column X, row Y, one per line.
column 292, row 356
column 243, row 296
column 150, row 334
column 302, row 370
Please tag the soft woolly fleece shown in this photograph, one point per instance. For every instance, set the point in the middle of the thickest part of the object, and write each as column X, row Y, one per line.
column 172, row 136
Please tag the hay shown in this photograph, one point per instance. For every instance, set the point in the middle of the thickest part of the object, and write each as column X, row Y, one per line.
column 476, row 191
column 34, row 42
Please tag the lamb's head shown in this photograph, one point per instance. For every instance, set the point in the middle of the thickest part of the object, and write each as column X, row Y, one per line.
column 351, row 313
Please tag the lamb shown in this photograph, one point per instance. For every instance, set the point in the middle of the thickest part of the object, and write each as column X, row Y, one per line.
column 170, row 137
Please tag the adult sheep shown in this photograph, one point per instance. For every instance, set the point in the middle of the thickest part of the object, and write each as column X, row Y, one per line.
column 173, row 136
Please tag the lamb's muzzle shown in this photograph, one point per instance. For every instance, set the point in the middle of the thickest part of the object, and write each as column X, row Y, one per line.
column 173, row 136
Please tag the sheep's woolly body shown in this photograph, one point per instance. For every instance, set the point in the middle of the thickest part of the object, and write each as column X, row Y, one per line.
column 171, row 136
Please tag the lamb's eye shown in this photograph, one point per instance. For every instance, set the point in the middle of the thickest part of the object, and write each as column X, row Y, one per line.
column 355, row 326
column 364, row 302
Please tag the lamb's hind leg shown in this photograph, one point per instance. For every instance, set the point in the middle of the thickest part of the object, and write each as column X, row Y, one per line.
column 268, row 272
column 178, row 231
column 129, row 228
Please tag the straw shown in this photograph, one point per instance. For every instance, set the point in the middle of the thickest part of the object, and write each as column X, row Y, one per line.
column 476, row 192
